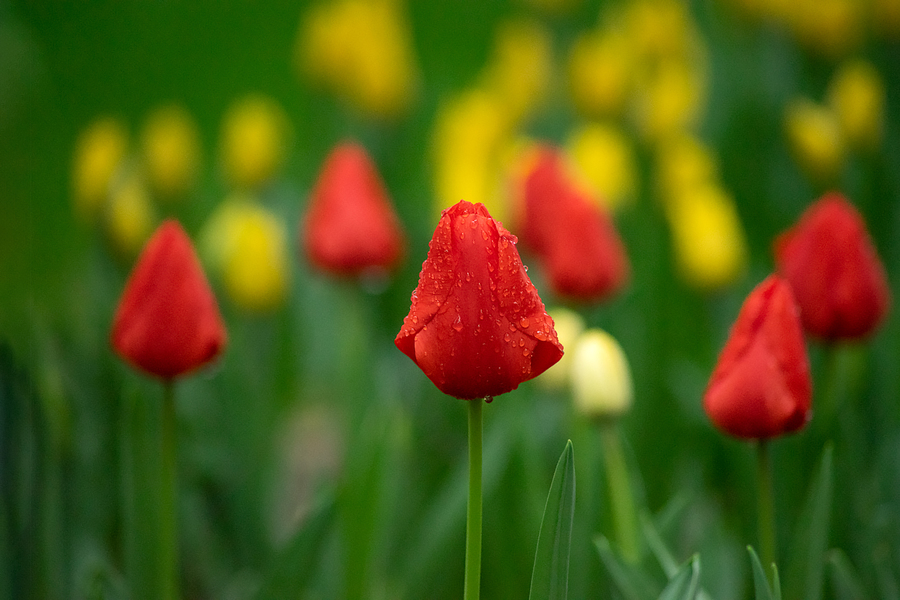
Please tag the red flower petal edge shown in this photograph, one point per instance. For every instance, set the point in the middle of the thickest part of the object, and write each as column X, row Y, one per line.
column 167, row 322
column 477, row 326
column 834, row 271
column 761, row 385
column 350, row 226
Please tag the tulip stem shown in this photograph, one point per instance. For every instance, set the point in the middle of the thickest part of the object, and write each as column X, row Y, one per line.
column 766, row 516
column 472, row 589
column 621, row 498
column 168, row 535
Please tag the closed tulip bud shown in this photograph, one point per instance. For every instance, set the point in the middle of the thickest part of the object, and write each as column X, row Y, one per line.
column 604, row 156
column 600, row 70
column 710, row 248
column 255, row 136
column 477, row 327
column 171, row 151
column 814, row 134
column 857, row 95
column 760, row 387
column 99, row 154
column 834, row 271
column 246, row 245
column 569, row 325
column 601, row 378
column 129, row 217
column 350, row 226
column 167, row 323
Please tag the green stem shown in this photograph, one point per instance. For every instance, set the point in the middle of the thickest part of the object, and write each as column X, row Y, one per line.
column 621, row 498
column 168, row 535
column 472, row 590
column 766, row 516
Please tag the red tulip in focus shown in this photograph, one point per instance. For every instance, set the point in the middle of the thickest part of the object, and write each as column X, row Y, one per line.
column 168, row 322
column 477, row 327
column 573, row 237
column 351, row 227
column 761, row 386
column 834, row 271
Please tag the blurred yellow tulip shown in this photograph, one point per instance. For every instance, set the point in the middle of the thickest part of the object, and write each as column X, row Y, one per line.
column 605, row 158
column 831, row 28
column 568, row 325
column 885, row 16
column 814, row 134
column 857, row 96
column 710, row 246
column 171, row 150
column 601, row 378
column 684, row 163
column 659, row 29
column 600, row 69
column 99, row 153
column 247, row 246
column 670, row 99
column 129, row 217
column 362, row 50
column 520, row 68
column 254, row 140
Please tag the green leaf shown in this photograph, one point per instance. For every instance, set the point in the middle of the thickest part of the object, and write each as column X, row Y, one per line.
column 760, row 583
column 632, row 583
column 845, row 582
column 684, row 582
column 807, row 566
column 550, row 576
column 290, row 572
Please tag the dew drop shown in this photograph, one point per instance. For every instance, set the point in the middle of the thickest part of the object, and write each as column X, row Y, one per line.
column 506, row 337
column 457, row 323
column 524, row 323
column 525, row 352
column 489, row 399
column 512, row 327
column 491, row 267
column 540, row 335
column 521, row 342
column 415, row 319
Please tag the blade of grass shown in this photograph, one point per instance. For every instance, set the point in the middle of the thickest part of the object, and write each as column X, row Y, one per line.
column 684, row 582
column 550, row 575
column 760, row 582
column 631, row 583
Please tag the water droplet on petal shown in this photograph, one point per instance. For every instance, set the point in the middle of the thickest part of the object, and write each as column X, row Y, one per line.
column 457, row 323
column 524, row 323
column 506, row 337
column 525, row 352
column 489, row 399
column 521, row 342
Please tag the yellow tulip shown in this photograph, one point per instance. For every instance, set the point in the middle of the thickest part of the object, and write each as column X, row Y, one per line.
column 604, row 156
column 568, row 325
column 684, row 163
column 829, row 27
column 670, row 99
column 171, row 150
column 519, row 70
column 601, row 378
column 659, row 29
column 247, row 246
column 99, row 153
column 886, row 18
column 814, row 134
column 255, row 135
column 710, row 247
column 129, row 217
column 600, row 69
column 857, row 96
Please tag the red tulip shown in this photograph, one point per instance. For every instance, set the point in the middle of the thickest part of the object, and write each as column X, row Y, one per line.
column 761, row 386
column 834, row 271
column 477, row 327
column 351, row 227
column 168, row 322
column 573, row 237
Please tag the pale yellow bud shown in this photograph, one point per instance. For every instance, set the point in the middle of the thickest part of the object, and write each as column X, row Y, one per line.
column 129, row 217
column 601, row 378
column 814, row 134
column 246, row 245
column 857, row 96
column 600, row 72
column 605, row 159
column 568, row 325
column 710, row 247
column 99, row 153
column 255, row 136
column 171, row 151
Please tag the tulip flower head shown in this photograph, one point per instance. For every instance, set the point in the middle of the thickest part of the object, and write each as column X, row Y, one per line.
column 350, row 227
column 168, row 323
column 834, row 271
column 601, row 379
column 477, row 327
column 99, row 154
column 171, row 150
column 761, row 386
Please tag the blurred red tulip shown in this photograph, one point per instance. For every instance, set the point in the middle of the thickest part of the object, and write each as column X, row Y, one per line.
column 761, row 386
column 350, row 227
column 168, row 323
column 574, row 238
column 477, row 326
column 834, row 271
